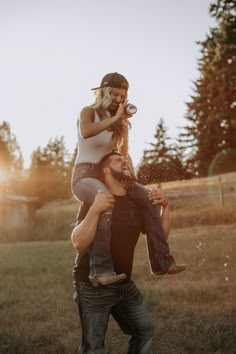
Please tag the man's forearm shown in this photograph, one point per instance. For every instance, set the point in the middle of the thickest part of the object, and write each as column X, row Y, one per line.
column 83, row 234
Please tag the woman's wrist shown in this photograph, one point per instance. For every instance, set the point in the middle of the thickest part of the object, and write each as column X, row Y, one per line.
column 116, row 118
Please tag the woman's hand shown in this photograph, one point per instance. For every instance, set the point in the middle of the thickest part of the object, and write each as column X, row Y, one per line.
column 121, row 113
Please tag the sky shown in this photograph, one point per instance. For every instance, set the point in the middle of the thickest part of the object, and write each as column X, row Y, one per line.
column 52, row 52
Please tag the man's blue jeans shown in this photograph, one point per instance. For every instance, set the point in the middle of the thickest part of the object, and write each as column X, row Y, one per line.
column 125, row 303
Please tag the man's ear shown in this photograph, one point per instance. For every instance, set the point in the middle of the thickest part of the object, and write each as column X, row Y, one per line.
column 106, row 170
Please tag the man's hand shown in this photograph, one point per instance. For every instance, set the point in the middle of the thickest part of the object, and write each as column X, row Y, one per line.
column 157, row 197
column 103, row 201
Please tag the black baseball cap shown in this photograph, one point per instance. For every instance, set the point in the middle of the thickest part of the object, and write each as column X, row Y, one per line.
column 114, row 80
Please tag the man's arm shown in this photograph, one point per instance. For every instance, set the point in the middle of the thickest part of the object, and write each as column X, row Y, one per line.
column 156, row 196
column 83, row 234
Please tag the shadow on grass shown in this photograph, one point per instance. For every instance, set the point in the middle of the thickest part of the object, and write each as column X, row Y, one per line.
column 12, row 344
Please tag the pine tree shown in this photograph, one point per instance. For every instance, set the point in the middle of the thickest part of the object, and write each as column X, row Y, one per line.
column 161, row 162
column 49, row 174
column 211, row 113
column 11, row 161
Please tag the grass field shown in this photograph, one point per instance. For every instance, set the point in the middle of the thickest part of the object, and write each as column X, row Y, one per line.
column 193, row 312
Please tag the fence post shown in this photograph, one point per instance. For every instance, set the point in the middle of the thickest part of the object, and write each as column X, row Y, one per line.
column 221, row 193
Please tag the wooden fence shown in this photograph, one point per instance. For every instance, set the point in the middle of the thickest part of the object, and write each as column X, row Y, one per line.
column 216, row 190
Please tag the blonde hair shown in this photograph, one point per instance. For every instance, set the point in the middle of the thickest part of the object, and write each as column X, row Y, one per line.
column 102, row 102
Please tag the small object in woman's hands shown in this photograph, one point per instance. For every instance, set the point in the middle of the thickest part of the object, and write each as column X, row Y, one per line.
column 130, row 108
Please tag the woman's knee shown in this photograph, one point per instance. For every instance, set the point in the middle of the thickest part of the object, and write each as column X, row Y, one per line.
column 86, row 189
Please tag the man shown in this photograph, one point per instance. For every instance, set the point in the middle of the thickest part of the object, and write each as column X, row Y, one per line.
column 123, row 300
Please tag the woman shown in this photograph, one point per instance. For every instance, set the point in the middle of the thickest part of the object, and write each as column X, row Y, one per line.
column 102, row 127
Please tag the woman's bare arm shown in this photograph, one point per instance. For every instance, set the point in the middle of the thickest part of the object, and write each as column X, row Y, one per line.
column 88, row 127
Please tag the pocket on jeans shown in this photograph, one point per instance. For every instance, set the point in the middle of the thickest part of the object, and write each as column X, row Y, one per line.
column 133, row 293
column 96, row 299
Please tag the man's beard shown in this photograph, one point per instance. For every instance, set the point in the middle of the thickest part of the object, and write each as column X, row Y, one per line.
column 121, row 176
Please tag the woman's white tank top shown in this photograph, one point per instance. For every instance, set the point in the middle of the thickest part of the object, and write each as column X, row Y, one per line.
column 93, row 149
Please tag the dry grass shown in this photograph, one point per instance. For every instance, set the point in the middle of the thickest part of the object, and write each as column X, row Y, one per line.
column 193, row 312
column 209, row 252
column 196, row 215
column 54, row 221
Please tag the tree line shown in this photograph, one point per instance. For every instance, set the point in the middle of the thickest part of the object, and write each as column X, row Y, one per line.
column 49, row 174
column 206, row 143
